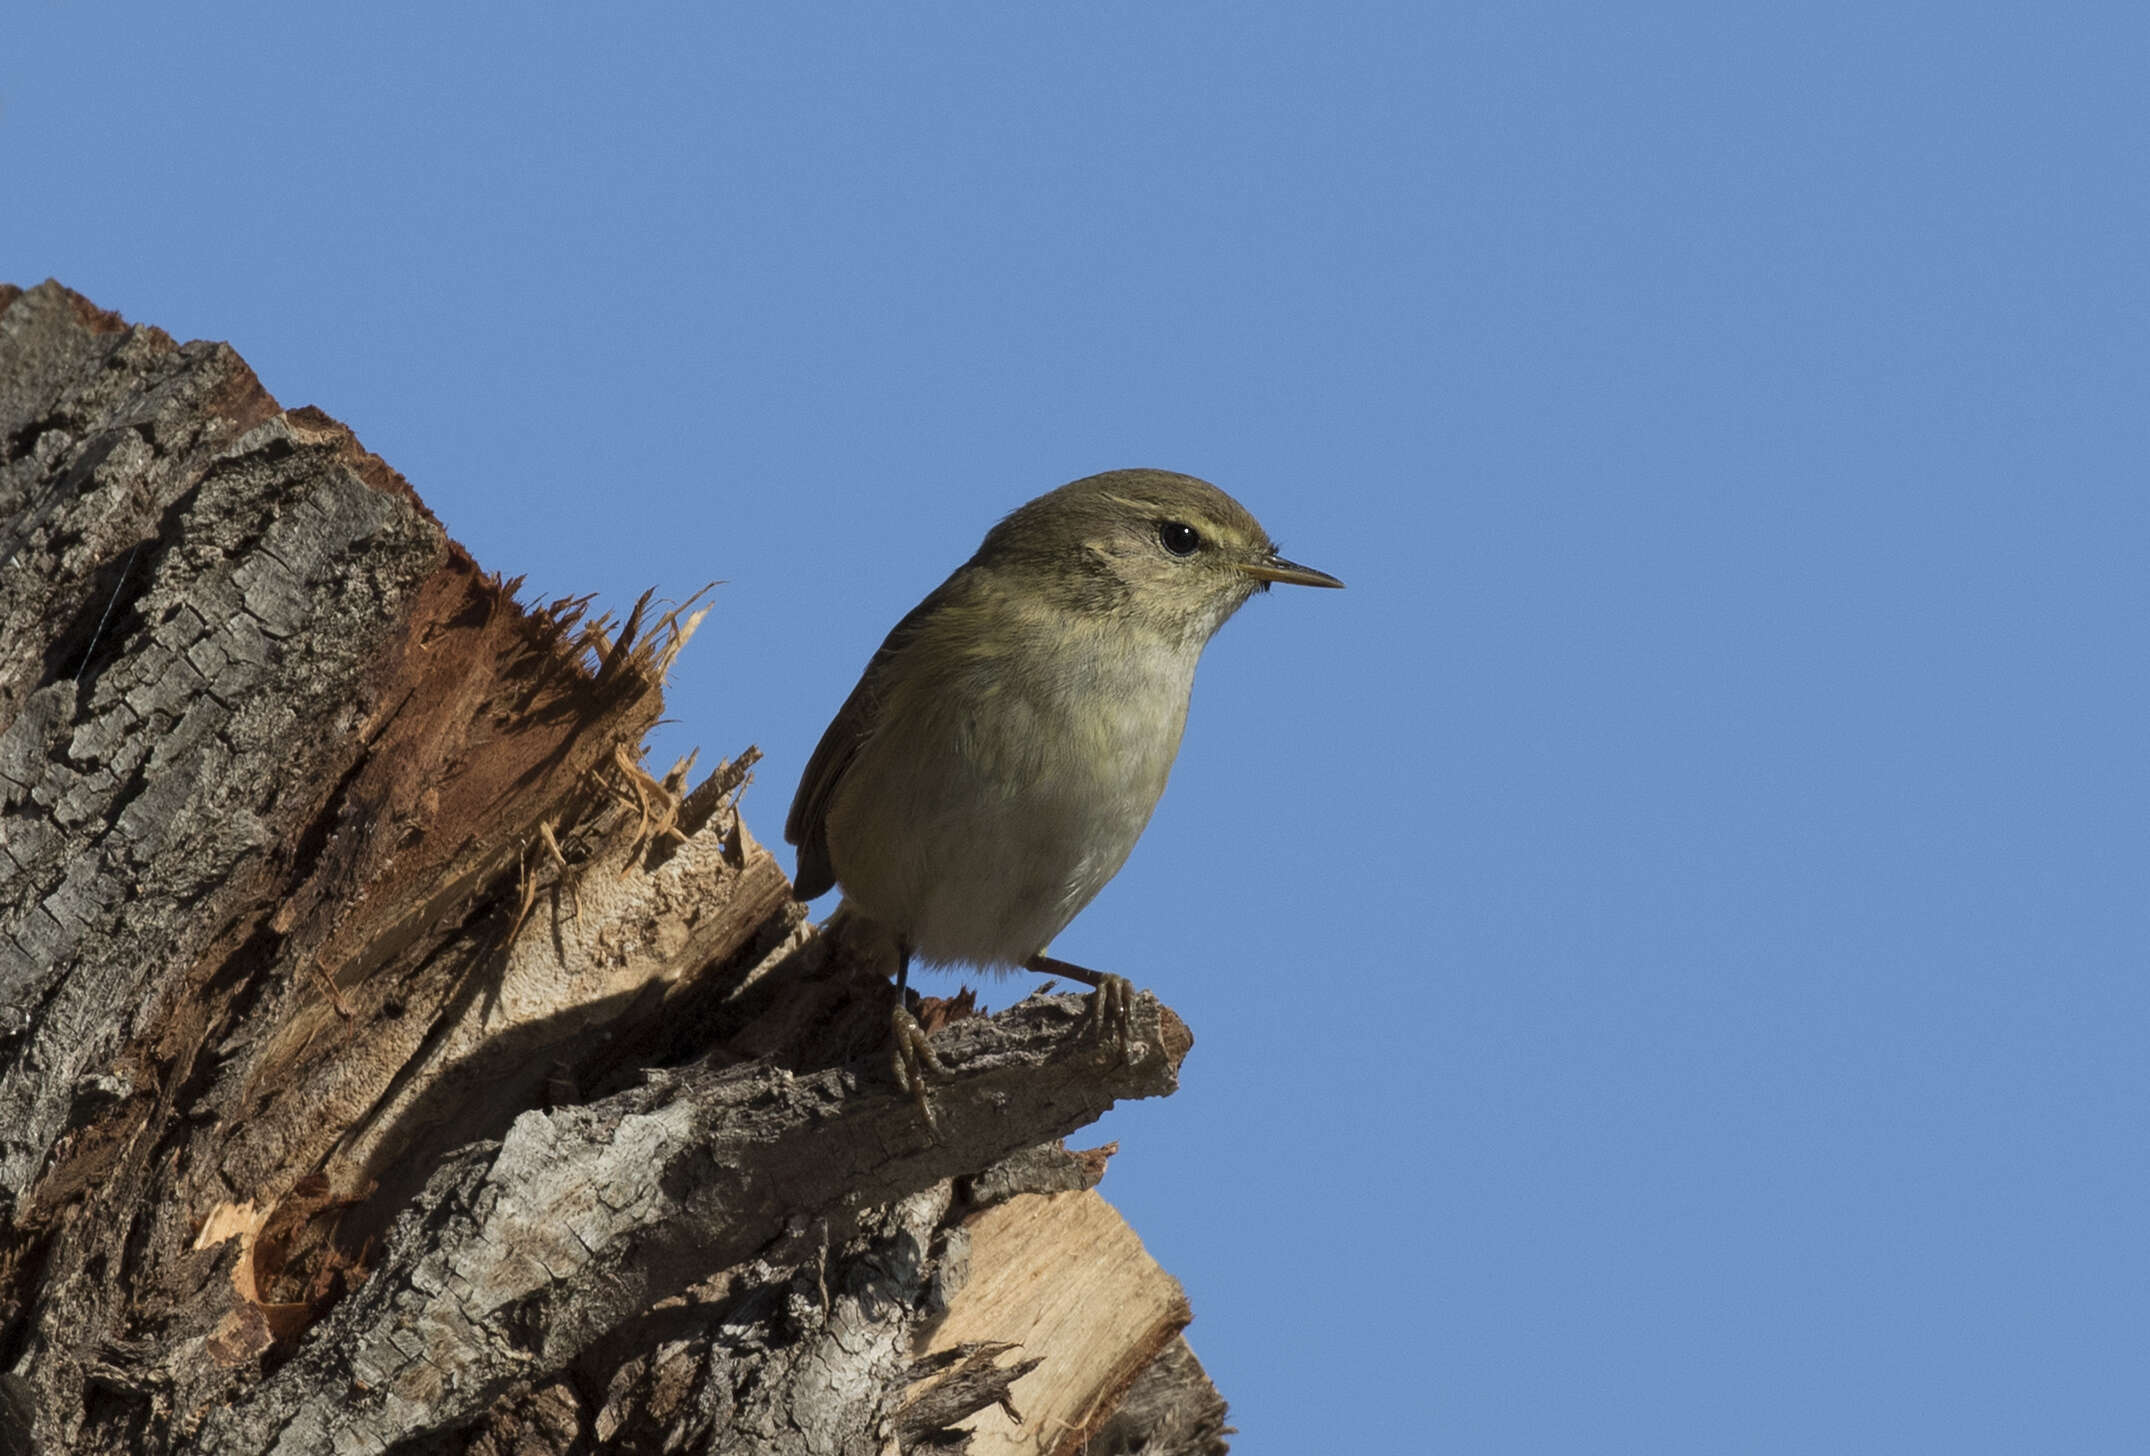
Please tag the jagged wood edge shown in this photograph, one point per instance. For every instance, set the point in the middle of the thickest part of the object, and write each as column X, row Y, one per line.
column 521, row 1254
column 156, row 1383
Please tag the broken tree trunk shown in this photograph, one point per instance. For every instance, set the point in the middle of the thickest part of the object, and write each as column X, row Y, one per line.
column 389, row 1063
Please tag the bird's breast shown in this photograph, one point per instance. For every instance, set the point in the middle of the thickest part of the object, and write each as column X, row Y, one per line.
column 1105, row 723
column 993, row 805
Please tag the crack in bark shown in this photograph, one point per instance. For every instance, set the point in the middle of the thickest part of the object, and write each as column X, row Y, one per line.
column 260, row 968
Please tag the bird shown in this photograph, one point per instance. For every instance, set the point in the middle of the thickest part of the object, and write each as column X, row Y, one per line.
column 1006, row 746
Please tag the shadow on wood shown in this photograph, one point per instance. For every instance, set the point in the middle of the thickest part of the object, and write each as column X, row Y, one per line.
column 388, row 1061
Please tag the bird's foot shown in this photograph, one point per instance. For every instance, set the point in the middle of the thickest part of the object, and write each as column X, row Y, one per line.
column 1112, row 1014
column 913, row 1062
column 1111, row 1019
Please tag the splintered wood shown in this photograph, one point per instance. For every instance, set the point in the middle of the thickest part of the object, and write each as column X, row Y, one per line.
column 388, row 1062
column 1063, row 1278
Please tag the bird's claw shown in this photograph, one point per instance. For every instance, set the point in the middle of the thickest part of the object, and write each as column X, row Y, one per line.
column 1111, row 1019
column 913, row 1062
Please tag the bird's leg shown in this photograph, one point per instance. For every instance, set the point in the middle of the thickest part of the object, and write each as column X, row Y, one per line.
column 913, row 1055
column 1112, row 1003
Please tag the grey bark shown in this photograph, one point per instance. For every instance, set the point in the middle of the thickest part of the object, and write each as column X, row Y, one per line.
column 387, row 1061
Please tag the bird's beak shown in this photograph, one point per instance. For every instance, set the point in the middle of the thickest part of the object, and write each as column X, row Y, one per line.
column 1275, row 568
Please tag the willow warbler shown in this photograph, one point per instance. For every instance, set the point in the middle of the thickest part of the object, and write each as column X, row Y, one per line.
column 1004, row 748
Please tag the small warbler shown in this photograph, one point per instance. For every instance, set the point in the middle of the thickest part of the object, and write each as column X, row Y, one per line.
column 1003, row 751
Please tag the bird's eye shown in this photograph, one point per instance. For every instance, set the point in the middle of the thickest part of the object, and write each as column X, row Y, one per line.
column 1179, row 538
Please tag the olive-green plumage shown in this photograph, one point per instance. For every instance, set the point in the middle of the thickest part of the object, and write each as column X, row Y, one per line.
column 1004, row 748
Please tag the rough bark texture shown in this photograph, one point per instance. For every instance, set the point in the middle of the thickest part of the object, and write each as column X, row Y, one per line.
column 389, row 1062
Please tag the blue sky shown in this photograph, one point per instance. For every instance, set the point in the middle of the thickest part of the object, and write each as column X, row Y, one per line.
column 1667, row 947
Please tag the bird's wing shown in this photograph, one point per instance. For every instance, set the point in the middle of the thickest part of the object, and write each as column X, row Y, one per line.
column 808, row 824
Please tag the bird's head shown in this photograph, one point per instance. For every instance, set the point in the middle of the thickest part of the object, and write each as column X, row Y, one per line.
column 1169, row 552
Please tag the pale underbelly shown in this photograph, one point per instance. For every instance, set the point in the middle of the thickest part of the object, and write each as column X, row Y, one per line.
column 997, row 888
column 985, row 870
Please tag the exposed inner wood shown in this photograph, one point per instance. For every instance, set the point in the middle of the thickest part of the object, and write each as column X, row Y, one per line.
column 390, row 1061
column 1062, row 1279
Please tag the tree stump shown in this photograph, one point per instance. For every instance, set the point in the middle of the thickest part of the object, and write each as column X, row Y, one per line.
column 389, row 1062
